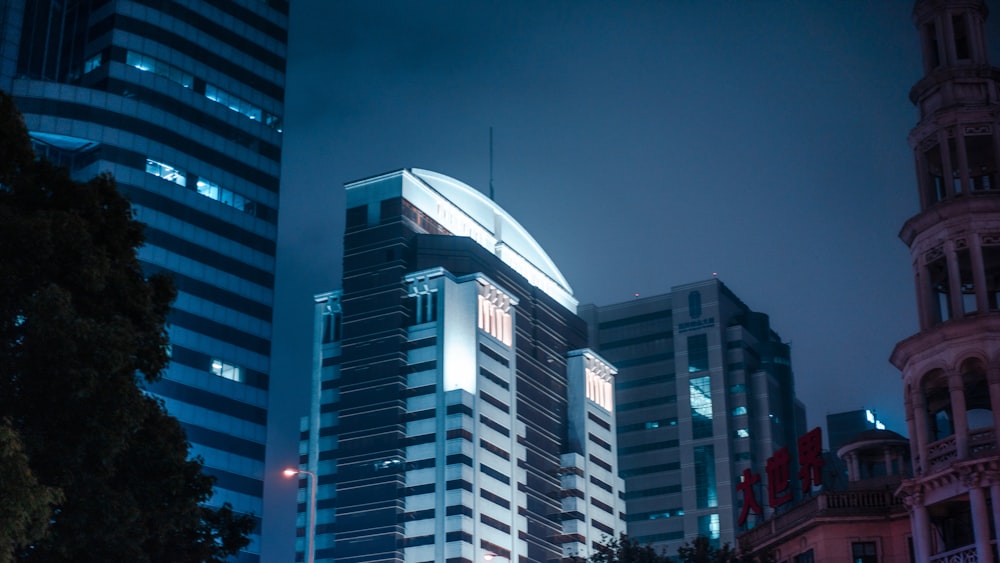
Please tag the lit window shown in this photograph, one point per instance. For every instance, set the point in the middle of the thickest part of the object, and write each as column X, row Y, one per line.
column 742, row 432
column 701, row 406
column 228, row 197
column 739, row 410
column 242, row 106
column 167, row 172
column 92, row 63
column 149, row 64
column 208, row 189
column 226, row 370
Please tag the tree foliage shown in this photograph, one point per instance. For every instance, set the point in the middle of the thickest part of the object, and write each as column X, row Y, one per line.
column 701, row 550
column 81, row 330
column 626, row 550
column 25, row 505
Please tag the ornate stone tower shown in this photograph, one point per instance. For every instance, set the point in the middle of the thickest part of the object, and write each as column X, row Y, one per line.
column 951, row 368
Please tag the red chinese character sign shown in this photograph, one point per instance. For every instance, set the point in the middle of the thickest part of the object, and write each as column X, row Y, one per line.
column 778, row 469
column 747, row 481
column 779, row 491
column 811, row 459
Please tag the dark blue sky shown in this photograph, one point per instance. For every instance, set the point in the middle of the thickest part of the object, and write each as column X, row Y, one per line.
column 643, row 144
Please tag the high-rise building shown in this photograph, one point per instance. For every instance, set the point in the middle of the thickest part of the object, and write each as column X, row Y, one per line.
column 951, row 367
column 457, row 412
column 704, row 391
column 842, row 427
column 182, row 102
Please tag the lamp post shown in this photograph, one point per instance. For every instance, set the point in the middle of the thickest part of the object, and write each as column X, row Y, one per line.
column 311, row 530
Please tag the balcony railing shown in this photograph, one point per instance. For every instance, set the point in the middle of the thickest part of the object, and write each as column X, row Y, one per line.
column 942, row 453
column 967, row 554
column 826, row 504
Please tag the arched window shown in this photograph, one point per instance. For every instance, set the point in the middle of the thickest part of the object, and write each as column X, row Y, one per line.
column 939, row 413
column 977, row 394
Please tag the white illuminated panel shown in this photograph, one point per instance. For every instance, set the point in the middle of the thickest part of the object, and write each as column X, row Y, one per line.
column 600, row 381
column 494, row 313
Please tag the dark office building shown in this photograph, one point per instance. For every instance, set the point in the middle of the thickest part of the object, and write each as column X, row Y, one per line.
column 457, row 414
column 182, row 102
column 704, row 390
column 842, row 427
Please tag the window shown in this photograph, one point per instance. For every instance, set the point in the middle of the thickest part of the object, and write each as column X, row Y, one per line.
column 227, row 197
column 331, row 323
column 701, row 407
column 242, row 106
column 704, row 477
column 92, row 63
column 167, row 172
column 806, row 557
column 738, row 388
column 156, row 66
column 709, row 527
column 697, row 347
column 864, row 552
column 742, row 432
column 739, row 410
column 226, row 370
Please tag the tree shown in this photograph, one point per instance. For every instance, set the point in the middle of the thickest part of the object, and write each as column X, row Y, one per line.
column 701, row 550
column 626, row 550
column 25, row 505
column 82, row 330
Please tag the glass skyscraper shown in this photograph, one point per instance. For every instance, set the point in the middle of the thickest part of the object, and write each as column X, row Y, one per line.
column 182, row 102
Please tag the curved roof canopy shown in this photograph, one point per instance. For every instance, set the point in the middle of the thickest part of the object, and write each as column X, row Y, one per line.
column 509, row 240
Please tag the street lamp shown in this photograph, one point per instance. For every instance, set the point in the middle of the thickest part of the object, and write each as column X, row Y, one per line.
column 311, row 530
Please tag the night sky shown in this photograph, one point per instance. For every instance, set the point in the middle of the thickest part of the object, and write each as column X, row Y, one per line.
column 643, row 144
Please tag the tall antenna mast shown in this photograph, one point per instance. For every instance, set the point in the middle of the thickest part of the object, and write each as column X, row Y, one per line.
column 491, row 164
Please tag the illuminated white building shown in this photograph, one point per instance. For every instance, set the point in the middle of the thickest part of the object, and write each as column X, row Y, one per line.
column 457, row 411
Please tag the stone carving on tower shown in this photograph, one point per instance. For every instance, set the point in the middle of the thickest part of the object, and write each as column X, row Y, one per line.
column 951, row 367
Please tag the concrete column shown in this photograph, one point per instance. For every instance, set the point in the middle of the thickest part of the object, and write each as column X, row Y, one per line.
column 978, row 272
column 854, row 469
column 921, row 529
column 954, row 281
column 981, row 522
column 947, row 168
column 925, row 301
column 963, row 160
column 960, row 419
column 920, row 422
column 995, row 504
column 888, row 461
column 948, row 38
column 993, row 377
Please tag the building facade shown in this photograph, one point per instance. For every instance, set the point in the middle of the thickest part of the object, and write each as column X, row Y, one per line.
column 457, row 413
column 181, row 101
column 704, row 391
column 864, row 523
column 951, row 367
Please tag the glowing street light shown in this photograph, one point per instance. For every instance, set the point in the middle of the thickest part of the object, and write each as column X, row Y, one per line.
column 311, row 524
